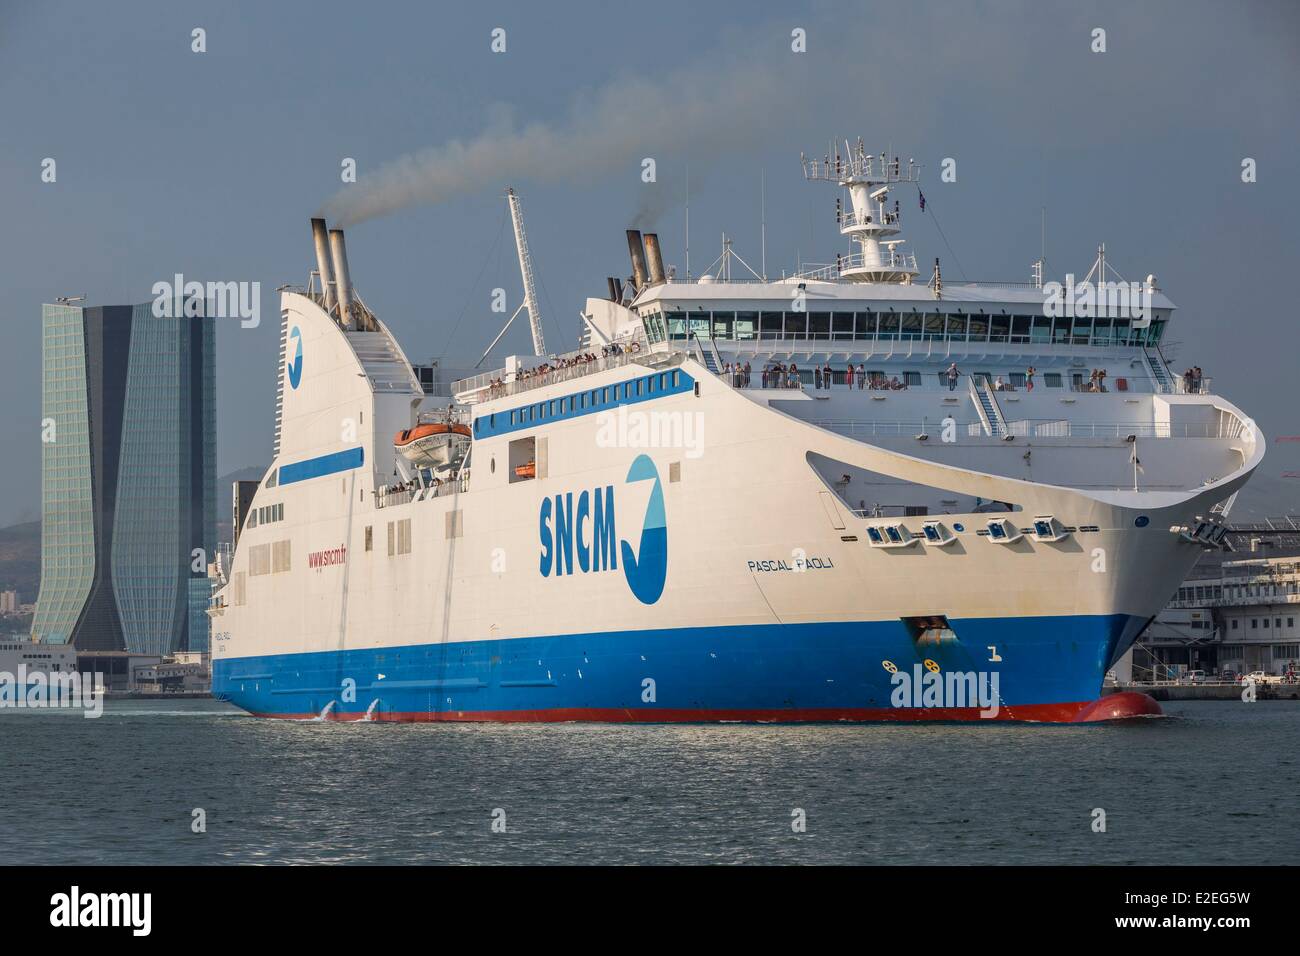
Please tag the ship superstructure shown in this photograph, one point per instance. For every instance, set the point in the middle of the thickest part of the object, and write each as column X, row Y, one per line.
column 844, row 494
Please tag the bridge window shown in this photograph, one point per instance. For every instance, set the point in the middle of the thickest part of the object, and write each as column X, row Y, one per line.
column 819, row 325
column 676, row 324
column 722, row 324
column 841, row 325
column 746, row 327
column 1101, row 332
column 656, row 331
column 912, row 325
column 769, row 325
column 796, row 325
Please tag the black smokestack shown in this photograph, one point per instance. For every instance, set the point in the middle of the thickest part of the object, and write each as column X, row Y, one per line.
column 637, row 252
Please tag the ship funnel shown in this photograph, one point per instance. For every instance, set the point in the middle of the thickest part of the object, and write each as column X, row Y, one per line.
column 613, row 289
column 342, row 277
column 654, row 259
column 637, row 251
column 320, row 235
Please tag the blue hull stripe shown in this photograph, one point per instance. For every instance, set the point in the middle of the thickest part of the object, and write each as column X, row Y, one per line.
column 634, row 391
column 751, row 668
column 324, row 465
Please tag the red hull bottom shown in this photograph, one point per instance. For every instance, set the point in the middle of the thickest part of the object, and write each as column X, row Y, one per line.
column 1114, row 707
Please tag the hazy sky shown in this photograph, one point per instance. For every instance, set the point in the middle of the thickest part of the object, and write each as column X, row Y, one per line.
column 210, row 164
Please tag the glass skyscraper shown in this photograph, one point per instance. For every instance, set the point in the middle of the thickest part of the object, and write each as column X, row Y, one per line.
column 128, row 479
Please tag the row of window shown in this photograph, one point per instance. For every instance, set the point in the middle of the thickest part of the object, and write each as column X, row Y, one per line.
column 265, row 515
column 1281, row 652
column 585, row 401
column 1217, row 592
column 1255, row 622
column 868, row 325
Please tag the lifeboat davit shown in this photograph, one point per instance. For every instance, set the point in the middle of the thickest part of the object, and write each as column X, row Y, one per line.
column 432, row 444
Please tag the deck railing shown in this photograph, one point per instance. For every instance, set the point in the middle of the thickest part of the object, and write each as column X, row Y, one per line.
column 482, row 387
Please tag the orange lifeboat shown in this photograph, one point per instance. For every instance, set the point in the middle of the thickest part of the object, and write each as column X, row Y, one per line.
column 408, row 435
column 526, row 470
column 432, row 444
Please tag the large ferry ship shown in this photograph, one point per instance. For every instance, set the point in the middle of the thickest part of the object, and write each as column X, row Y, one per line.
column 852, row 493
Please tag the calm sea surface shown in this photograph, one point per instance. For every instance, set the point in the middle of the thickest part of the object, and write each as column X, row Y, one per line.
column 1213, row 782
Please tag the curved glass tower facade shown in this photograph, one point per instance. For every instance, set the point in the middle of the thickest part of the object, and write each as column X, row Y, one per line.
column 128, row 481
column 67, row 511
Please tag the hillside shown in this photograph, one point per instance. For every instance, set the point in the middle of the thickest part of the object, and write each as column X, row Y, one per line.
column 20, row 560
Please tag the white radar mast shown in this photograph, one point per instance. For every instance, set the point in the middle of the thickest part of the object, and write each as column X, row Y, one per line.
column 526, row 271
column 530, row 289
column 873, row 219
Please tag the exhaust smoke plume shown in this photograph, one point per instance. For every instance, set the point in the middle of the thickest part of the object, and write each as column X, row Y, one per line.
column 695, row 115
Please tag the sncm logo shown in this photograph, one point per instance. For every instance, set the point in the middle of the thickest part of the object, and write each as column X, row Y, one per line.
column 592, row 529
column 75, row 909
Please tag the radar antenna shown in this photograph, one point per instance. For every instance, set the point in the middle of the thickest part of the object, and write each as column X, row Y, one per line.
column 873, row 221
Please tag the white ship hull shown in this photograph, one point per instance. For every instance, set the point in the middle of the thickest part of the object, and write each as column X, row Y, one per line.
column 737, row 578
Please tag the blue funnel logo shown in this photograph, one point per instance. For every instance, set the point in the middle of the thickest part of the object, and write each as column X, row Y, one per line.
column 295, row 365
column 647, row 569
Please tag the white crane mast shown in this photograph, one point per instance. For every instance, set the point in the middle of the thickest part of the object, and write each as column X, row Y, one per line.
column 526, row 271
